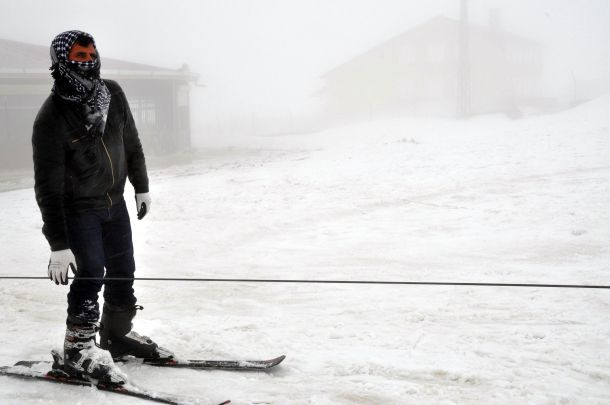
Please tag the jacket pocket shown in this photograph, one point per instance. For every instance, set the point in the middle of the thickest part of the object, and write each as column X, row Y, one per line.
column 86, row 163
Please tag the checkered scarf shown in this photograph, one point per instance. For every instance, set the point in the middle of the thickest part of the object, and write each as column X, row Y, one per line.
column 80, row 81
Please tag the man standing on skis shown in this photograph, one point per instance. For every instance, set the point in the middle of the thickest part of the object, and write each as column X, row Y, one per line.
column 85, row 145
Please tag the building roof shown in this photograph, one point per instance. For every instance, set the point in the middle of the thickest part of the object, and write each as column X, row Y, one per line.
column 24, row 58
column 438, row 23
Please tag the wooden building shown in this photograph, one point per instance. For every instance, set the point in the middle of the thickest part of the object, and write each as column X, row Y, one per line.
column 158, row 97
column 417, row 72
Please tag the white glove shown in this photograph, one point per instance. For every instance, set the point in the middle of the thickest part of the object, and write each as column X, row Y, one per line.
column 59, row 263
column 142, row 204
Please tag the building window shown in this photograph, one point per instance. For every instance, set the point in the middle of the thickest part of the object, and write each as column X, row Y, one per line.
column 406, row 90
column 183, row 96
column 408, row 54
column 435, row 88
column 436, row 53
column 144, row 112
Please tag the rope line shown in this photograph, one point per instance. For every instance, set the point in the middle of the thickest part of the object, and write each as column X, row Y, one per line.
column 293, row 281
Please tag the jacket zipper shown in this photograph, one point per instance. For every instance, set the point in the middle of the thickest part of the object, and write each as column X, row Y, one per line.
column 111, row 170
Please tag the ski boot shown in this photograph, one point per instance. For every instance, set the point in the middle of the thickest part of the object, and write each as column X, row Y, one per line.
column 117, row 336
column 83, row 358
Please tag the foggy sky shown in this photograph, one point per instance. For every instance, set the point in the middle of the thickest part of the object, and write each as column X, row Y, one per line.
column 266, row 56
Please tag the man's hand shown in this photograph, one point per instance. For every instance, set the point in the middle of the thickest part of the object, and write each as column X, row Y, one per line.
column 142, row 204
column 59, row 263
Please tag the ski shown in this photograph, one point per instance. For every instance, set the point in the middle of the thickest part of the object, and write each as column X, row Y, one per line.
column 236, row 365
column 232, row 365
column 28, row 370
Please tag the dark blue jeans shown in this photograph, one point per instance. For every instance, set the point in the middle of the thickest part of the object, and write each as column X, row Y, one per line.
column 100, row 239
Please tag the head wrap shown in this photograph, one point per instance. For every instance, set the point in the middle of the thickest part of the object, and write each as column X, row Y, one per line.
column 80, row 81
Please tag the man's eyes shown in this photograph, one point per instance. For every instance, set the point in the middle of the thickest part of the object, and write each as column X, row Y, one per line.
column 84, row 55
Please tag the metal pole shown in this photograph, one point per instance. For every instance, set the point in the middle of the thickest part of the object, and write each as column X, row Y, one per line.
column 463, row 94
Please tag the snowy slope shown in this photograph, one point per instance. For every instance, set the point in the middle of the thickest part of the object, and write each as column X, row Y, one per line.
column 488, row 200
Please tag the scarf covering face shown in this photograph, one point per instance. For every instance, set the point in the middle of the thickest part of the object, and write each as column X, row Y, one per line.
column 80, row 81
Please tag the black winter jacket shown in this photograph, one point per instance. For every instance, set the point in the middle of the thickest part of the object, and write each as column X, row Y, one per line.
column 74, row 172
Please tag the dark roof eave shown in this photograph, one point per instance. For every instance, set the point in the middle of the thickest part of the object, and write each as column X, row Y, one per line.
column 107, row 74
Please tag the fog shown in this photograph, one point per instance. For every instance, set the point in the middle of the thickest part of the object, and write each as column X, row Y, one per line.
column 261, row 65
column 461, row 144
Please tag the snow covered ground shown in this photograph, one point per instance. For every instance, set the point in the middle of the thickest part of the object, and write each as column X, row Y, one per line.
column 485, row 200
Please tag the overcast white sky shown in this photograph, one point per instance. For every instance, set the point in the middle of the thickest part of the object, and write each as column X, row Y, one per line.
column 265, row 55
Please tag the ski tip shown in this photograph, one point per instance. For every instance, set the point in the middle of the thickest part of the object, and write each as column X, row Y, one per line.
column 226, row 402
column 268, row 364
